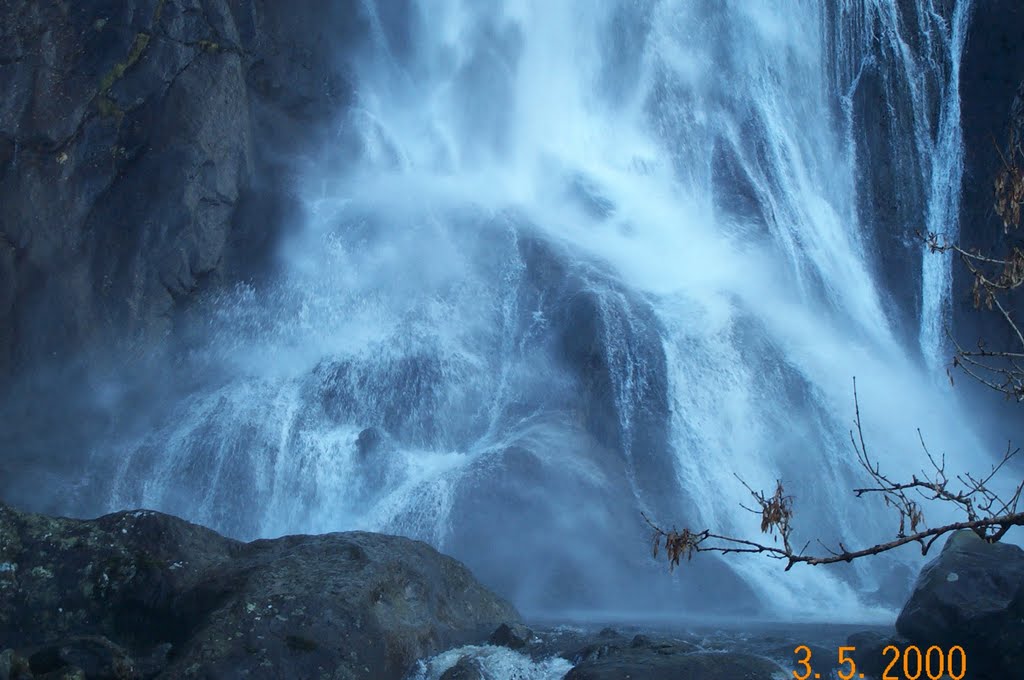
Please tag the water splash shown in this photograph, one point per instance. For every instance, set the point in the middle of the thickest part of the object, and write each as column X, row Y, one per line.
column 494, row 663
column 592, row 259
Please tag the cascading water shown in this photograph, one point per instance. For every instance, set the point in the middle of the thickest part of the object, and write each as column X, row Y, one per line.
column 589, row 259
column 897, row 67
column 944, row 197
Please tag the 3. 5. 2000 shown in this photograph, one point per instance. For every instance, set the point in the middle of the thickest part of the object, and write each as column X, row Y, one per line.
column 934, row 663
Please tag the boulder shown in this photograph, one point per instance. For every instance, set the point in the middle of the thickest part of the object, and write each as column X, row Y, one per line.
column 971, row 595
column 143, row 594
column 640, row 641
column 467, row 668
column 652, row 664
column 596, row 650
column 513, row 636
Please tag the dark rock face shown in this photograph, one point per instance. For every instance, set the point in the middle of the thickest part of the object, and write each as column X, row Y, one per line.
column 142, row 594
column 610, row 342
column 991, row 71
column 893, row 197
column 990, row 83
column 971, row 595
column 140, row 154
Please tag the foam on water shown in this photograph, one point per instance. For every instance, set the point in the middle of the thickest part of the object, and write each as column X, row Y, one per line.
column 495, row 663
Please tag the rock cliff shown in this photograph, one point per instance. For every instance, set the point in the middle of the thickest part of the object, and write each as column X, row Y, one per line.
column 146, row 150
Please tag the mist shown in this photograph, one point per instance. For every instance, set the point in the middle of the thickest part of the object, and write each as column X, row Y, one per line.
column 560, row 265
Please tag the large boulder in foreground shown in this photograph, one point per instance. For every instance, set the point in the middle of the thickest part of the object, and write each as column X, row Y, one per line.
column 150, row 595
column 971, row 595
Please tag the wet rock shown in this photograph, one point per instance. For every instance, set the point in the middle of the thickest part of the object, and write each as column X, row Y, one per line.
column 594, row 651
column 368, row 441
column 93, row 595
column 640, row 641
column 93, row 656
column 401, row 395
column 891, row 194
column 13, row 666
column 466, row 669
column 971, row 595
column 513, row 636
column 645, row 664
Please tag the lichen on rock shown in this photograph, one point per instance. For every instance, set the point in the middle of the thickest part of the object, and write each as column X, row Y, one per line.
column 149, row 590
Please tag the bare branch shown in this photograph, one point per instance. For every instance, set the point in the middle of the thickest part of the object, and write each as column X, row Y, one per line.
column 988, row 516
column 698, row 542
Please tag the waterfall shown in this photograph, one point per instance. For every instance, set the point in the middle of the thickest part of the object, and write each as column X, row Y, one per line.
column 944, row 198
column 571, row 261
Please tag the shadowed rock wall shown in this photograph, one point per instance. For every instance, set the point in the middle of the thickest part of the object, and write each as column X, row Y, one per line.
column 145, row 151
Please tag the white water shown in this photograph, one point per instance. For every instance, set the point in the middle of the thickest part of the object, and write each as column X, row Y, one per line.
column 495, row 663
column 944, row 202
column 690, row 166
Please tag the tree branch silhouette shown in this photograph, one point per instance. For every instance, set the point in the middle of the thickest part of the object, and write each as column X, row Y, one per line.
column 986, row 514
